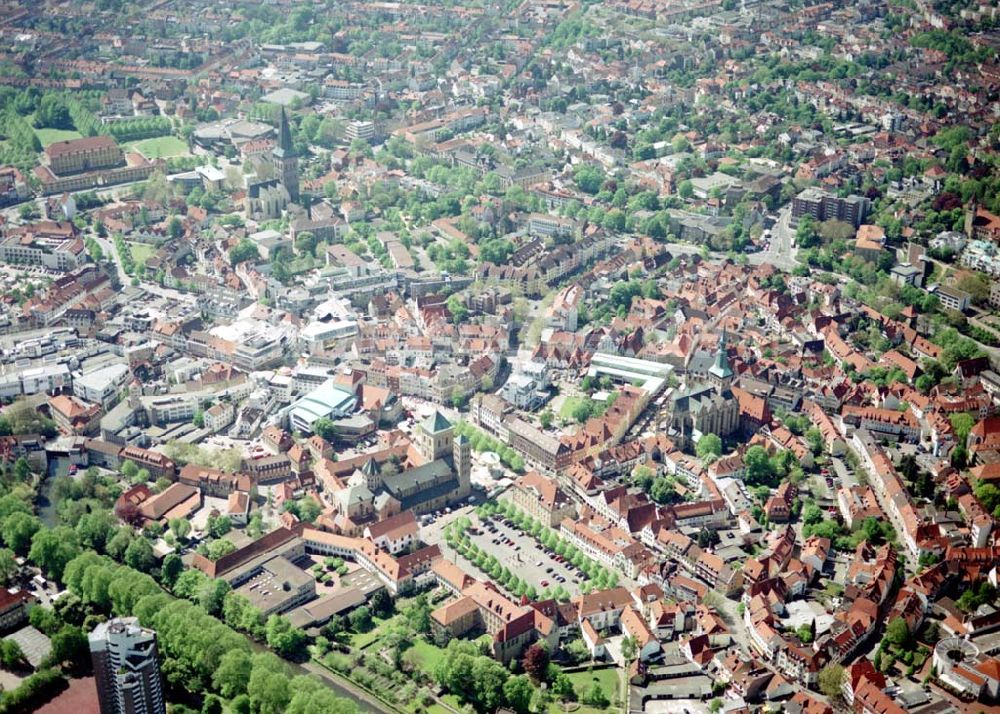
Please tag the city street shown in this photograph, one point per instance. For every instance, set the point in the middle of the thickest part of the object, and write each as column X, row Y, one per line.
column 781, row 253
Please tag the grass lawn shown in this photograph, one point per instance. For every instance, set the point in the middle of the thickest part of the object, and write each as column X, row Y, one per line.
column 160, row 147
column 141, row 251
column 360, row 641
column 427, row 653
column 577, row 708
column 570, row 403
column 51, row 136
column 607, row 677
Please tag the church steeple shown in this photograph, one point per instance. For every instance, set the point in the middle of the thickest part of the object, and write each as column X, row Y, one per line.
column 720, row 372
column 285, row 145
column 286, row 163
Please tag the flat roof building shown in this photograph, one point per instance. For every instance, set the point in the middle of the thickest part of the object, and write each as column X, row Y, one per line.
column 328, row 401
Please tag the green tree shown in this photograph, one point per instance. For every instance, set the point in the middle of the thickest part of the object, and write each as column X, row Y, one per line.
column 305, row 242
column 18, row 529
column 629, row 648
column 456, row 307
column 243, row 251
column 52, row 549
column 962, row 423
column 831, row 677
column 175, row 228
column 8, row 565
column 22, row 470
column 139, row 555
column 211, row 594
column 709, row 447
column 95, row 529
column 268, row 688
column 562, row 686
column 662, row 490
column 220, row 548
column 418, row 615
column 815, row 438
column 582, row 410
column 53, row 113
column 897, row 634
column 325, row 428
column 171, row 568
column 517, row 692
column 218, row 526
column 759, row 469
column 129, row 470
column 180, row 527
column 488, row 679
column 233, row 673
column 11, row 656
column 589, row 178
column 594, row 696
column 69, row 645
column 310, row 696
column 806, row 235
column 284, row 639
column 360, row 619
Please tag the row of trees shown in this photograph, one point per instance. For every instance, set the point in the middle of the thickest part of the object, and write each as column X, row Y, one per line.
column 598, row 576
column 479, row 441
column 20, row 146
column 72, row 113
column 200, row 653
column 124, row 251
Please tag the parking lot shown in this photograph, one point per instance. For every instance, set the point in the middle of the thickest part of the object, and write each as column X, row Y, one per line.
column 525, row 556
column 432, row 525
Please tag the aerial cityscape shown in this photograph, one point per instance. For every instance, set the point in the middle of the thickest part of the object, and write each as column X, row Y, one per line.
column 499, row 356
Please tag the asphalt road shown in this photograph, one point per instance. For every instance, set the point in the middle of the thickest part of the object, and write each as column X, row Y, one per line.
column 781, row 253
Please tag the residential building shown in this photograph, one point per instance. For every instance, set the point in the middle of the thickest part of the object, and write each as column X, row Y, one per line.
column 823, row 206
column 126, row 668
column 542, row 499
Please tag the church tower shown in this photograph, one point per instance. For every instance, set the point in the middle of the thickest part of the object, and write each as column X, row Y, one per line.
column 372, row 475
column 462, row 458
column 720, row 373
column 286, row 163
column 434, row 437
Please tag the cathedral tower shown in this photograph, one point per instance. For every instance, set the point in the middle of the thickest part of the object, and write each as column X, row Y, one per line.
column 286, row 163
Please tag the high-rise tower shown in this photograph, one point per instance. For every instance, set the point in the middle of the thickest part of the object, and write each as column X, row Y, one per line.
column 286, row 163
column 126, row 668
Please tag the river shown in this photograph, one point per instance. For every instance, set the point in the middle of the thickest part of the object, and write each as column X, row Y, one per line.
column 46, row 507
